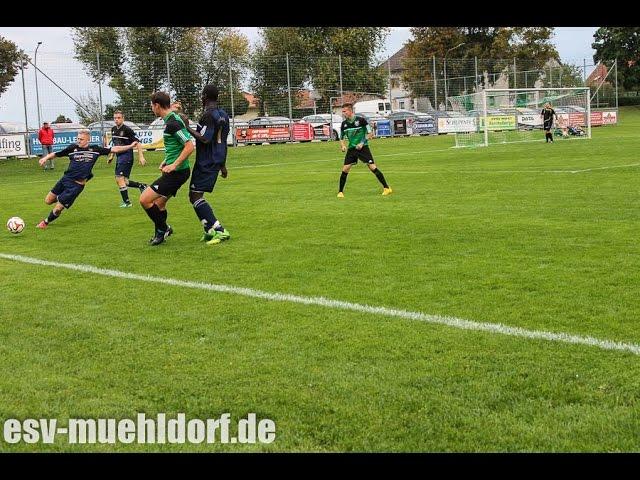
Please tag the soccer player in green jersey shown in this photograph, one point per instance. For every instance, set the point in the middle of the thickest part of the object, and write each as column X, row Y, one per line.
column 358, row 132
column 175, row 167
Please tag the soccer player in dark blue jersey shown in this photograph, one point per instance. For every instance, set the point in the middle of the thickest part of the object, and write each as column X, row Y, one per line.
column 82, row 158
column 211, row 156
column 122, row 134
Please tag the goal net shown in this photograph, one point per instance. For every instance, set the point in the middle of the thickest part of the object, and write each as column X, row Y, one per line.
column 514, row 115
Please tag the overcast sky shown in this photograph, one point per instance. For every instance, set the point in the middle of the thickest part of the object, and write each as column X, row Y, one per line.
column 573, row 44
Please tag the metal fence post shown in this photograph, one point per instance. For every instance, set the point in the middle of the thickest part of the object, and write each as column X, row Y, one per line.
column 584, row 71
column 389, row 82
column 24, row 101
column 435, row 85
column 476, row 67
column 166, row 56
column 515, row 74
column 616, row 83
column 233, row 111
column 100, row 96
column 289, row 91
column 340, row 74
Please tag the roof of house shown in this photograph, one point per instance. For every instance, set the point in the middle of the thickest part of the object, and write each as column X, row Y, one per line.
column 598, row 75
column 395, row 61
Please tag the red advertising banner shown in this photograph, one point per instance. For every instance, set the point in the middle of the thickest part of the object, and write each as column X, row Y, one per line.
column 576, row 118
column 302, row 131
column 596, row 119
column 609, row 118
column 263, row 134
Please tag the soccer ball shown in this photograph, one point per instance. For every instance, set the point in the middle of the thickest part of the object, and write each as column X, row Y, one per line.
column 15, row 224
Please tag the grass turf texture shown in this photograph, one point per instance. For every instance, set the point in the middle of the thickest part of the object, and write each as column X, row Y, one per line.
column 490, row 234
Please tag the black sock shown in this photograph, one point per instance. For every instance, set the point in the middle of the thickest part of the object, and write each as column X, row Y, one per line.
column 164, row 214
column 158, row 217
column 125, row 194
column 204, row 213
column 52, row 216
column 380, row 176
column 134, row 184
column 343, row 180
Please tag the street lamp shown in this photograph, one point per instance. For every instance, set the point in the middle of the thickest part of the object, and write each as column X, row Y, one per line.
column 35, row 64
column 446, row 92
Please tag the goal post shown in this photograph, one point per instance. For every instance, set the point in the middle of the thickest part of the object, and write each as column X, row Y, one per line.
column 513, row 115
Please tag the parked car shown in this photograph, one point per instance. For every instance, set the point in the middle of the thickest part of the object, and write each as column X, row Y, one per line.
column 258, row 121
column 317, row 121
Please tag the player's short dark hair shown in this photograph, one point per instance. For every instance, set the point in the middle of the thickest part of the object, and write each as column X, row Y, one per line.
column 118, row 112
column 347, row 105
column 161, row 98
column 210, row 92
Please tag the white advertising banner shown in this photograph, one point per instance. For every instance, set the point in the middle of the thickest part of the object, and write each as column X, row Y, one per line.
column 12, row 145
column 457, row 124
column 530, row 120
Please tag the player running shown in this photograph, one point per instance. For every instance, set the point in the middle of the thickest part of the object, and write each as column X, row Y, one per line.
column 175, row 167
column 82, row 158
column 358, row 132
column 211, row 156
column 122, row 134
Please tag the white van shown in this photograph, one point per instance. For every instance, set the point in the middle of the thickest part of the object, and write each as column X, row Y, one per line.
column 379, row 106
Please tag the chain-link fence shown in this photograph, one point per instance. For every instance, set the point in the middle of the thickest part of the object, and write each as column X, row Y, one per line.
column 57, row 88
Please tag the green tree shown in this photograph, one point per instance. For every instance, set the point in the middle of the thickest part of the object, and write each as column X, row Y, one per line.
column 62, row 119
column 623, row 44
column 11, row 58
column 105, row 43
column 495, row 48
column 133, row 61
column 313, row 63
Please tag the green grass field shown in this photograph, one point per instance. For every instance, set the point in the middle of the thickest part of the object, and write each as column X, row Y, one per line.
column 505, row 234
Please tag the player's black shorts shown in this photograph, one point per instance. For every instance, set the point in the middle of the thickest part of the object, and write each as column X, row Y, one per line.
column 204, row 179
column 547, row 125
column 67, row 191
column 353, row 154
column 168, row 184
column 123, row 168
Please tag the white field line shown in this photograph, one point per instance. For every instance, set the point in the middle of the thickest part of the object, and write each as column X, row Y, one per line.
column 342, row 305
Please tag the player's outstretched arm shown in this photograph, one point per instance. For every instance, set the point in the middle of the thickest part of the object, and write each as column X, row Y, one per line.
column 123, row 148
column 44, row 159
column 141, row 158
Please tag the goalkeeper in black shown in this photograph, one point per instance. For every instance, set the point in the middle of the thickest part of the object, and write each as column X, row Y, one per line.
column 547, row 121
column 357, row 131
